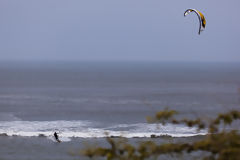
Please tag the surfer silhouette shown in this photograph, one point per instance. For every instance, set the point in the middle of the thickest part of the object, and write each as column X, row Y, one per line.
column 56, row 137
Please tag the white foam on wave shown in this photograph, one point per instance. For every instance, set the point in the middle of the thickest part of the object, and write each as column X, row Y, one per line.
column 86, row 129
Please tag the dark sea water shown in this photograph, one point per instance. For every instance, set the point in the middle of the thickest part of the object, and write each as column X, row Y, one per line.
column 90, row 99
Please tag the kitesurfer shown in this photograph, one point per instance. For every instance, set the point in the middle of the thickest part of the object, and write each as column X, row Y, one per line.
column 56, row 137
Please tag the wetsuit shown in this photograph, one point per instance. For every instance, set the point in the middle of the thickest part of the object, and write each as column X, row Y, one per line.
column 56, row 137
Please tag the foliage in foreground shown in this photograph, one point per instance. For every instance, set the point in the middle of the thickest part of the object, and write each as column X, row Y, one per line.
column 219, row 144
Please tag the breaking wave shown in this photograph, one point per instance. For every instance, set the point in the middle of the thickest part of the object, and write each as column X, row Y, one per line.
column 87, row 129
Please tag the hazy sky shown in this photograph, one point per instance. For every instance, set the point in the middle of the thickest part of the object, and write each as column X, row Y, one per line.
column 118, row 30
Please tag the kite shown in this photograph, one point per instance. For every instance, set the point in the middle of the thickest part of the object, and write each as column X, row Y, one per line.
column 202, row 20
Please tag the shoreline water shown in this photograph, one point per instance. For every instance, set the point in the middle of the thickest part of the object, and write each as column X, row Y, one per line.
column 107, row 136
column 40, row 148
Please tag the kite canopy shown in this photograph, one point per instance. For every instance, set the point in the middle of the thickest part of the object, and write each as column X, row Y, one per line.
column 202, row 21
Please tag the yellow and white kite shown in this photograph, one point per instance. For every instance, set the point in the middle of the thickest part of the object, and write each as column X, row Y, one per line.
column 202, row 20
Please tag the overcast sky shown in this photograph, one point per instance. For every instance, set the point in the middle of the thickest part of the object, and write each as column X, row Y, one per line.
column 118, row 30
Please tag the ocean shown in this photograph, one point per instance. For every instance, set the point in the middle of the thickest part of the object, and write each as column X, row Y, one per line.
column 99, row 99
column 86, row 101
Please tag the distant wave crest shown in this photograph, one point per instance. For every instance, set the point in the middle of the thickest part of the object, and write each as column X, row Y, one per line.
column 8, row 117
